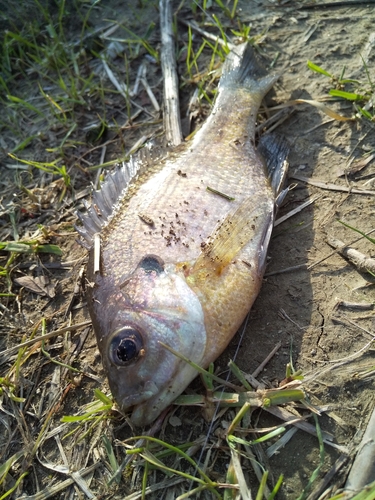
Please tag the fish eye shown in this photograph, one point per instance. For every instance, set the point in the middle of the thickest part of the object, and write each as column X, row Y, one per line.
column 126, row 345
column 152, row 263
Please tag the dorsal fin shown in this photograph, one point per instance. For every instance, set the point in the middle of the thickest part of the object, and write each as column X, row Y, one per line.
column 106, row 200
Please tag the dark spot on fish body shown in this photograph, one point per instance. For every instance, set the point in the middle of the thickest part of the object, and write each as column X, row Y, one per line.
column 152, row 263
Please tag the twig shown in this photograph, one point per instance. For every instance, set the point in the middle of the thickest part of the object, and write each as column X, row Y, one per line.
column 359, row 306
column 286, row 270
column 172, row 121
column 150, row 94
column 265, row 361
column 50, row 491
column 346, row 321
column 280, row 443
column 330, row 186
column 296, row 210
column 308, row 267
column 138, row 144
column 322, row 485
column 314, row 375
column 121, row 87
column 208, row 35
column 47, row 336
column 274, row 121
column 285, row 415
column 308, row 131
column 361, row 261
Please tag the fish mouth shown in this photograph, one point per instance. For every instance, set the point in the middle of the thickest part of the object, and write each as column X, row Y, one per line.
column 145, row 412
column 149, row 390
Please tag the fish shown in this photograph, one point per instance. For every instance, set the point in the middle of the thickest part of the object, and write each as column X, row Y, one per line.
column 178, row 245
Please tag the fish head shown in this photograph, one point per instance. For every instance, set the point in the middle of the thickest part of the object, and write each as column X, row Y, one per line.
column 153, row 305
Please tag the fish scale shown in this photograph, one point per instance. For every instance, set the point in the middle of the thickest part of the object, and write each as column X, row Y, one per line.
column 180, row 264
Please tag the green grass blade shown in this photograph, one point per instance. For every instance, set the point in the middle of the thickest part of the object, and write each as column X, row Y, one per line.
column 357, row 231
column 349, row 96
column 318, row 69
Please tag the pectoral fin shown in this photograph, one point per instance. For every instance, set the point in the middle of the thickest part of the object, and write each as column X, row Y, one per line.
column 231, row 236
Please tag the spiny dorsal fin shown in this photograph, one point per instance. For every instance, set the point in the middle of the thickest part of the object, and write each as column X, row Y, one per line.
column 105, row 201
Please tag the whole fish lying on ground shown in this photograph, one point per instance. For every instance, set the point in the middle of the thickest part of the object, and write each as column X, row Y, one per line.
column 179, row 262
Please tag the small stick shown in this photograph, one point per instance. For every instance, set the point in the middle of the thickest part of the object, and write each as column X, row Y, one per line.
column 96, row 253
column 334, row 5
column 121, row 87
column 308, row 131
column 140, row 74
column 346, row 321
column 280, row 443
column 308, row 267
column 49, row 335
column 172, row 120
column 150, row 94
column 296, row 210
column 137, row 145
column 285, row 415
column 206, row 34
column 362, row 306
column 265, row 361
column 50, row 491
column 361, row 261
column 283, row 114
column 286, row 270
column 323, row 484
column 76, row 292
column 330, row 186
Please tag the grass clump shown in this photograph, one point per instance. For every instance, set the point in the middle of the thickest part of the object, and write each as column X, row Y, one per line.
column 359, row 93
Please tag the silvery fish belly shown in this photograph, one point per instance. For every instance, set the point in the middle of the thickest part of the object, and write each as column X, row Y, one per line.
column 174, row 261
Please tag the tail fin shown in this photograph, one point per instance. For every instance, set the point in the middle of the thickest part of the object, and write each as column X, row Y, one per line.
column 243, row 68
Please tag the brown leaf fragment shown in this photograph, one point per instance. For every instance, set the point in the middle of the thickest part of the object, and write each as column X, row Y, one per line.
column 40, row 285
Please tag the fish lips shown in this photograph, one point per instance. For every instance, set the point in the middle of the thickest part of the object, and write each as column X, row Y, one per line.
column 147, row 391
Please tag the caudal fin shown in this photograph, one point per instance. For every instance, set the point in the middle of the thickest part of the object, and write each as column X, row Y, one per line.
column 243, row 68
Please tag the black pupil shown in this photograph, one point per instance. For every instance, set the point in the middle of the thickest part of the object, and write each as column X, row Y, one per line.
column 127, row 350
